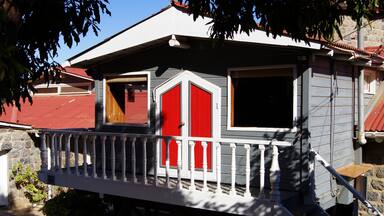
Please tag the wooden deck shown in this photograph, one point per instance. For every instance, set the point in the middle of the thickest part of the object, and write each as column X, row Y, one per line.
column 71, row 159
column 260, row 203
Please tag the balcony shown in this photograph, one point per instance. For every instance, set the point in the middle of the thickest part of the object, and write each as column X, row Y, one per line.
column 164, row 169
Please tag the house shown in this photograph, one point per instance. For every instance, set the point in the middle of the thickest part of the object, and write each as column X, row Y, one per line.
column 226, row 126
column 66, row 104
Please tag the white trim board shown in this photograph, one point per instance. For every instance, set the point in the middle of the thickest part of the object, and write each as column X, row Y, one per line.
column 264, row 129
column 4, row 190
column 172, row 21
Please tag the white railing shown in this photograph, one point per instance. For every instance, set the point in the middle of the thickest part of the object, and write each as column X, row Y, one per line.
column 92, row 165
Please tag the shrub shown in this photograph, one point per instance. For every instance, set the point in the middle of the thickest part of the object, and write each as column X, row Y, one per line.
column 75, row 203
column 26, row 179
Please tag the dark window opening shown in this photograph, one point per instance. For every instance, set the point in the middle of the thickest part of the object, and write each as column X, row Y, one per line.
column 50, row 90
column 262, row 98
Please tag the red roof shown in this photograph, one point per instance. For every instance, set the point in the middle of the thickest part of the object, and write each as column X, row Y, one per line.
column 375, row 119
column 55, row 112
column 76, row 71
column 379, row 50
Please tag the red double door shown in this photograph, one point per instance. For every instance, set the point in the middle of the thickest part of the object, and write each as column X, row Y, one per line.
column 195, row 122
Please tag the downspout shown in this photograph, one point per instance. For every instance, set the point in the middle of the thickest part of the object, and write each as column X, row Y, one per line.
column 361, row 114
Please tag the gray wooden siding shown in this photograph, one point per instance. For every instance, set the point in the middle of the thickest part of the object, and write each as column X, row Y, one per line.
column 321, row 128
column 212, row 64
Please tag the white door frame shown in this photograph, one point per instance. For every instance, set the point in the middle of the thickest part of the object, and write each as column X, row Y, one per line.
column 4, row 179
column 185, row 78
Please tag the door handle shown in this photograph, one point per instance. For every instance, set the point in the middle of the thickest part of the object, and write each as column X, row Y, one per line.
column 181, row 124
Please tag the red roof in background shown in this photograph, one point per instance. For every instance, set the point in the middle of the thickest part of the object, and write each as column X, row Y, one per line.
column 77, row 71
column 375, row 119
column 379, row 50
column 55, row 112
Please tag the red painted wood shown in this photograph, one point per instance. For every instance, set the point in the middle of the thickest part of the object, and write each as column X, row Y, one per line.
column 171, row 119
column 201, row 122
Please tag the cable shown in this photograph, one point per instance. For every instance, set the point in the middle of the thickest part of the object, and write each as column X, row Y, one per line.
column 369, row 23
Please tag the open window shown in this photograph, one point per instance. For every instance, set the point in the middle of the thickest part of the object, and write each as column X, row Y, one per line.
column 126, row 100
column 261, row 98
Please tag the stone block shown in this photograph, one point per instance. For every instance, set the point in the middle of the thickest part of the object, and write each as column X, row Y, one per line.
column 380, row 172
column 377, row 184
column 373, row 196
column 380, row 207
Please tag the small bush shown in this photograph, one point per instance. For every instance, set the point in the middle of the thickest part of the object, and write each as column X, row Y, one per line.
column 26, row 179
column 75, row 203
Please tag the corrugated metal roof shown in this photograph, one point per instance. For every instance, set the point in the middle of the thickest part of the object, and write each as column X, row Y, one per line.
column 55, row 112
column 77, row 72
column 375, row 119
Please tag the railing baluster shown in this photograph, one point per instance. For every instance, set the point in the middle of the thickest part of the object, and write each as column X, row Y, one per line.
column 205, row 166
column 85, row 155
column 60, row 155
column 76, row 137
column 275, row 173
column 192, row 187
column 103, row 162
column 247, row 192
column 53, row 154
column 94, row 173
column 123, row 158
column 233, row 170
column 179, row 184
column 218, row 168
column 67, row 152
column 56, row 144
column 167, row 162
column 44, row 155
column 156, row 144
column 262, row 169
column 113, row 159
column 144, row 160
column 133, row 154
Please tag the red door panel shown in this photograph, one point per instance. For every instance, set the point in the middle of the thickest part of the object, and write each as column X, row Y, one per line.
column 201, row 122
column 171, row 119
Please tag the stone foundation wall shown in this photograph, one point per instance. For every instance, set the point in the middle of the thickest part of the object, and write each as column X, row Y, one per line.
column 19, row 145
column 375, row 190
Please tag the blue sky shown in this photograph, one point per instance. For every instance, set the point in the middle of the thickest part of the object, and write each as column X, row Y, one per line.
column 124, row 14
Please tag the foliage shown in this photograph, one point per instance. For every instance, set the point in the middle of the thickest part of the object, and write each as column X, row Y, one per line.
column 26, row 179
column 30, row 31
column 75, row 203
column 299, row 19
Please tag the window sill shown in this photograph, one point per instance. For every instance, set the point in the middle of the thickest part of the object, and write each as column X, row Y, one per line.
column 370, row 93
column 262, row 129
column 126, row 125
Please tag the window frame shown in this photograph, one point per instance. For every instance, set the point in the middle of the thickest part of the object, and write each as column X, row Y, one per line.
column 60, row 85
column 372, row 84
column 265, row 129
column 104, row 85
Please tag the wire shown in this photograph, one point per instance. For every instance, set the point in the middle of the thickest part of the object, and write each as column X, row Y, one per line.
column 369, row 23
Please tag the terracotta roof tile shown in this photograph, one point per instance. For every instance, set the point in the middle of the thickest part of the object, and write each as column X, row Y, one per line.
column 375, row 119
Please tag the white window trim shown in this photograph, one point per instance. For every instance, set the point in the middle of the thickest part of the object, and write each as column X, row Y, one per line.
column 60, row 85
column 264, row 129
column 372, row 85
column 104, row 84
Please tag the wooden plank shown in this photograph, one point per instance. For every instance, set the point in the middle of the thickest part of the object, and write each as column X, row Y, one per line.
column 354, row 170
